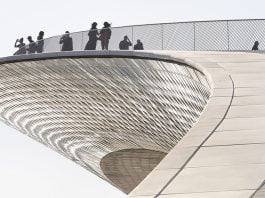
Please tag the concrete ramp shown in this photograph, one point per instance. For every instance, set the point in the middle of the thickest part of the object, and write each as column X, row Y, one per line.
column 223, row 154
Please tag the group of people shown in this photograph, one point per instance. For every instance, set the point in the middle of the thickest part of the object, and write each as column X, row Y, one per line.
column 66, row 41
column 94, row 35
column 126, row 43
column 104, row 36
column 32, row 47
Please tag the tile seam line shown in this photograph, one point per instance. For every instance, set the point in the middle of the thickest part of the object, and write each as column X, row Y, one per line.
column 222, row 145
column 231, row 145
column 201, row 145
column 237, row 130
column 214, row 166
column 238, row 190
column 223, row 165
column 257, row 190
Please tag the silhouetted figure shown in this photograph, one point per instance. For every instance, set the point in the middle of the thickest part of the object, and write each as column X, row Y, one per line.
column 32, row 47
column 125, row 43
column 67, row 42
column 138, row 45
column 255, row 46
column 40, row 42
column 105, row 35
column 21, row 47
column 93, row 37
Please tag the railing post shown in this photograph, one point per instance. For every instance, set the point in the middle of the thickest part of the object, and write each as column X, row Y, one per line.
column 194, row 36
column 82, row 41
column 162, row 35
column 228, row 35
column 132, row 38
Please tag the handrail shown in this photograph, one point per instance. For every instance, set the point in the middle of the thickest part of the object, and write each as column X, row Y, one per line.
column 216, row 35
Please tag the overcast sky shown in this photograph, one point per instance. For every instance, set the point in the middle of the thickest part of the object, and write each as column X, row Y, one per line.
column 30, row 170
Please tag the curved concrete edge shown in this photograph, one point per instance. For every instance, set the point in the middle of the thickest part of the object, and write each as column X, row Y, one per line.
column 91, row 54
column 214, row 113
column 141, row 54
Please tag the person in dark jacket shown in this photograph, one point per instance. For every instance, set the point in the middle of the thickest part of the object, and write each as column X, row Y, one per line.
column 32, row 47
column 125, row 43
column 255, row 46
column 93, row 37
column 40, row 42
column 138, row 45
column 67, row 42
column 21, row 47
column 105, row 34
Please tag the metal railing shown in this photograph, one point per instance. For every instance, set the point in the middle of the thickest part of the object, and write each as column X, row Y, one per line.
column 222, row 35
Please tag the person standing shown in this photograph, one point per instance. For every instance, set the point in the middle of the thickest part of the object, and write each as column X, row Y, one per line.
column 105, row 34
column 125, row 43
column 40, row 42
column 32, row 47
column 138, row 45
column 67, row 42
column 93, row 37
column 255, row 46
column 21, row 46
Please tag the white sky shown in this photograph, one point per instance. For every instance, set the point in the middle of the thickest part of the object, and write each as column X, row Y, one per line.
column 30, row 170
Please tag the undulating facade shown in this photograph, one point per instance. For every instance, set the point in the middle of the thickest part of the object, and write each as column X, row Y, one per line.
column 157, row 123
column 107, row 114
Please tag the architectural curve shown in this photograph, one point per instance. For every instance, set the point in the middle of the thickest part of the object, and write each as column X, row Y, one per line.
column 87, row 105
column 127, row 168
column 219, row 152
column 221, row 156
